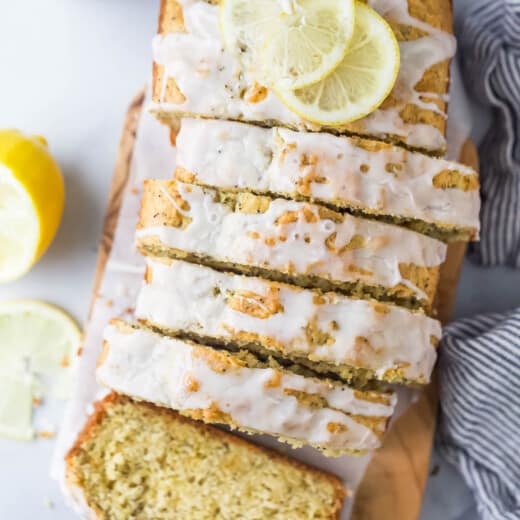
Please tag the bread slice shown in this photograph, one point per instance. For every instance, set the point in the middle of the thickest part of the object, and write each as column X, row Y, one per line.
column 433, row 196
column 289, row 241
column 357, row 340
column 194, row 74
column 242, row 391
column 136, row 460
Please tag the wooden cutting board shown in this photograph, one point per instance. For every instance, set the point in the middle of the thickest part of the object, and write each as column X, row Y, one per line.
column 393, row 486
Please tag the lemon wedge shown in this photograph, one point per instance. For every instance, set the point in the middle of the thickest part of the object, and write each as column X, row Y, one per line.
column 290, row 43
column 360, row 83
column 38, row 351
column 31, row 202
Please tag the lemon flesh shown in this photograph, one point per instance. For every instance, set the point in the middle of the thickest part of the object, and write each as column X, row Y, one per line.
column 31, row 202
column 38, row 351
column 18, row 227
column 15, row 408
column 360, row 83
column 289, row 43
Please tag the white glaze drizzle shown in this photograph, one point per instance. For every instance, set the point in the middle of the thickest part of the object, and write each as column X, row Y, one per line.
column 213, row 80
column 190, row 297
column 162, row 370
column 242, row 156
column 257, row 239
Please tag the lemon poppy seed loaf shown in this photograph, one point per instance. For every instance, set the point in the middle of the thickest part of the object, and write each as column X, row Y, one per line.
column 289, row 241
column 434, row 196
column 136, row 460
column 194, row 74
column 356, row 339
column 242, row 391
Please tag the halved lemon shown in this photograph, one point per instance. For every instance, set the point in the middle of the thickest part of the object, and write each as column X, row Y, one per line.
column 31, row 202
column 38, row 349
column 289, row 43
column 360, row 83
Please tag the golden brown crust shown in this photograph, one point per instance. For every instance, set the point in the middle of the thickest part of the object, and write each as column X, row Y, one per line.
column 452, row 179
column 156, row 82
column 437, row 13
column 171, row 17
column 100, row 411
column 94, row 420
column 88, row 432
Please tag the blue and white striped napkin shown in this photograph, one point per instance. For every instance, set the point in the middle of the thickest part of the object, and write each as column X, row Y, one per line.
column 489, row 47
column 479, row 427
column 479, row 424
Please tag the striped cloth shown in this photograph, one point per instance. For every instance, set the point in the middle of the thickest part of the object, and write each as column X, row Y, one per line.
column 489, row 49
column 479, row 421
column 479, row 424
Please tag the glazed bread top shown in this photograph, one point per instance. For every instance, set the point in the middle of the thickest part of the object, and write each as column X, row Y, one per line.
column 372, row 178
column 194, row 74
column 304, row 243
column 222, row 387
column 390, row 342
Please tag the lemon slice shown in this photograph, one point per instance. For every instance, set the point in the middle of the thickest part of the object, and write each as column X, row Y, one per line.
column 290, row 43
column 38, row 344
column 360, row 83
column 31, row 202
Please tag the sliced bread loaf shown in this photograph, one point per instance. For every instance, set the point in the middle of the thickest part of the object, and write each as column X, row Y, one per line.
column 241, row 391
column 289, row 241
column 356, row 339
column 136, row 460
column 195, row 74
column 433, row 196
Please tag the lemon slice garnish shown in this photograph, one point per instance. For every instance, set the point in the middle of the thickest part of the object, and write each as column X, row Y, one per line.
column 289, row 43
column 360, row 83
column 38, row 350
column 31, row 202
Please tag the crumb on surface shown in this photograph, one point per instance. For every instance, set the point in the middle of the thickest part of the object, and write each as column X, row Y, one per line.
column 46, row 434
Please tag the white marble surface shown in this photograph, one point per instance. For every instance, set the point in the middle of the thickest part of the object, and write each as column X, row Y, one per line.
column 68, row 71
